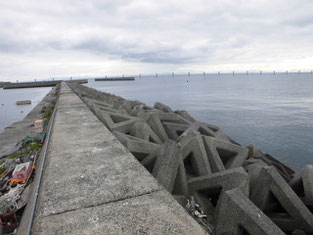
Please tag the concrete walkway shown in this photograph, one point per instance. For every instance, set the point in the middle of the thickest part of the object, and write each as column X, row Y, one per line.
column 93, row 185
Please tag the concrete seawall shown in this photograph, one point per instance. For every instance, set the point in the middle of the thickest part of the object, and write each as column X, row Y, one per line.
column 93, row 185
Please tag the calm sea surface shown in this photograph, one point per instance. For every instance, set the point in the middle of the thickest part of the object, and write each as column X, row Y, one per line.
column 10, row 112
column 274, row 112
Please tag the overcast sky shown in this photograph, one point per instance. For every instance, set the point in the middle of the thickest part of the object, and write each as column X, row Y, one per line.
column 44, row 39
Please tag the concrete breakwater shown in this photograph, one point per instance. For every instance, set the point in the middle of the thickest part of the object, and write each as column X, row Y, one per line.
column 2, row 84
column 92, row 184
column 240, row 189
column 38, row 84
column 115, row 79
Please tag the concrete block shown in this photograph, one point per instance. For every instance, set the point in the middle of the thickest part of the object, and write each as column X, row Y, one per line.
column 180, row 185
column 208, row 188
column 143, row 131
column 282, row 169
column 207, row 130
column 224, row 155
column 155, row 123
column 149, row 161
column 143, row 111
column 128, row 105
column 238, row 215
column 276, row 199
column 166, row 165
column 163, row 107
column 250, row 164
column 194, row 156
column 302, row 184
column 185, row 115
column 171, row 117
column 117, row 122
column 174, row 130
column 138, row 147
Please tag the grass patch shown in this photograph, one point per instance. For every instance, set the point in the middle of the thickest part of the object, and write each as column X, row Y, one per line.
column 35, row 145
column 29, row 146
column 48, row 112
column 2, row 170
column 2, row 161
column 14, row 155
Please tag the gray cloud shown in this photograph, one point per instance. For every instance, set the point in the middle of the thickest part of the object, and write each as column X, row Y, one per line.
column 141, row 35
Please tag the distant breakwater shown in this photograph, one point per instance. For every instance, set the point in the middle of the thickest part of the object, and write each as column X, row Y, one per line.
column 38, row 84
column 115, row 79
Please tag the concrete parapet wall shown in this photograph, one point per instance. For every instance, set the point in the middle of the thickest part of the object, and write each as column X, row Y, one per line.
column 197, row 162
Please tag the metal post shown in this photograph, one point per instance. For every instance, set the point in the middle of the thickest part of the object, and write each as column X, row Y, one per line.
column 188, row 74
column 218, row 73
column 260, row 72
column 140, row 75
column 233, row 73
column 173, row 75
column 156, row 75
column 203, row 74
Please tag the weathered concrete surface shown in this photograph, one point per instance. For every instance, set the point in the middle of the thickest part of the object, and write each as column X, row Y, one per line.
column 156, row 213
column 93, row 185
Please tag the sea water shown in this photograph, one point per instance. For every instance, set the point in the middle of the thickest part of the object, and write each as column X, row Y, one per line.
column 10, row 112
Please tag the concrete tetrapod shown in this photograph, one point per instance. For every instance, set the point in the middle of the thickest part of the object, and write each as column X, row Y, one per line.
column 166, row 165
column 238, row 215
column 174, row 130
column 207, row 189
column 185, row 115
column 282, row 169
column 271, row 193
column 117, row 122
column 194, row 156
column 302, row 184
column 163, row 107
column 224, row 155
column 138, row 147
column 155, row 121
column 142, row 131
